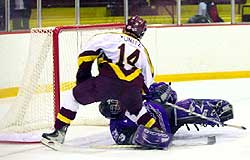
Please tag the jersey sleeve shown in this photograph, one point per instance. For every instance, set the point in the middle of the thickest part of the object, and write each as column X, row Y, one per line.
column 147, row 70
column 86, row 58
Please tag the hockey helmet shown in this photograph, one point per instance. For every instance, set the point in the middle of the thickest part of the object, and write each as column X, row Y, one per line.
column 110, row 108
column 136, row 27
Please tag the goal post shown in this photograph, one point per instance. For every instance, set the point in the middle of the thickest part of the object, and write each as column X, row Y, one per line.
column 49, row 73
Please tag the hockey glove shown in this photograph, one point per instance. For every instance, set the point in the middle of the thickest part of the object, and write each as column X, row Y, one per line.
column 162, row 93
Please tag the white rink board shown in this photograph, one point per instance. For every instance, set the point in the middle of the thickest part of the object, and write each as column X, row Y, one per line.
column 173, row 50
column 200, row 49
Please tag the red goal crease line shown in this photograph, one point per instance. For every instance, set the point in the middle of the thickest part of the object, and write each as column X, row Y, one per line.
column 46, row 88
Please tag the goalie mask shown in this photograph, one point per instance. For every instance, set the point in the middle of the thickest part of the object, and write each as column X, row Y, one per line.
column 136, row 27
column 110, row 109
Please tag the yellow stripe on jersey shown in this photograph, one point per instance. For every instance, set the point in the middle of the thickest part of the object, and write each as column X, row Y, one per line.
column 119, row 72
column 86, row 59
column 150, row 123
column 122, row 76
column 149, row 61
column 63, row 118
column 100, row 60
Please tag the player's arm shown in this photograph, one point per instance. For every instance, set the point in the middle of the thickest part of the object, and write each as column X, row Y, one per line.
column 147, row 71
column 85, row 60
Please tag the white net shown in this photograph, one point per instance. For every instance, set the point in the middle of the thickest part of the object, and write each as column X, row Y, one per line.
column 34, row 107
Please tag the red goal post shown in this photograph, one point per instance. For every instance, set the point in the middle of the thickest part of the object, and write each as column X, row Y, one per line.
column 50, row 72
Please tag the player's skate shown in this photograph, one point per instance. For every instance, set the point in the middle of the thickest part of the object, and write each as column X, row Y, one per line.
column 55, row 138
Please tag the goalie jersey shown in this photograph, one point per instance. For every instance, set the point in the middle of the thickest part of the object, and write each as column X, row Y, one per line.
column 123, row 129
column 118, row 56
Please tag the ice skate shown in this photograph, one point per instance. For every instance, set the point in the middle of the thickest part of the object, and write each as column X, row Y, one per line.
column 55, row 138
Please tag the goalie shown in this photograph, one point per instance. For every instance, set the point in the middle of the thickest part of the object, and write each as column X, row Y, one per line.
column 124, row 129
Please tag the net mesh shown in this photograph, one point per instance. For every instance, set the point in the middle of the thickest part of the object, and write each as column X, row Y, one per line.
column 34, row 107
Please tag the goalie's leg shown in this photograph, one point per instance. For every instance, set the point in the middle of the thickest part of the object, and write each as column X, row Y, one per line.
column 216, row 109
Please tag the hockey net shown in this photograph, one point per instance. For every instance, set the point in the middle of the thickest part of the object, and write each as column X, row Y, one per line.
column 49, row 73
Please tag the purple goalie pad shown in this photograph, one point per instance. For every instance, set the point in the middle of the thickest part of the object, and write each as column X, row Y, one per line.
column 150, row 138
column 159, row 113
column 217, row 109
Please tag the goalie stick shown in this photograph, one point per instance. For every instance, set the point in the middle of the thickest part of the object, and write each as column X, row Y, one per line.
column 204, row 117
column 210, row 140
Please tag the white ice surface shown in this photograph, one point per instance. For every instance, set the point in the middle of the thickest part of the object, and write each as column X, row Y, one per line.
column 231, row 144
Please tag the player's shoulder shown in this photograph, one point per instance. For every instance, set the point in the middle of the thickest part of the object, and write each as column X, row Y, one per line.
column 108, row 35
column 104, row 37
column 130, row 40
column 114, row 35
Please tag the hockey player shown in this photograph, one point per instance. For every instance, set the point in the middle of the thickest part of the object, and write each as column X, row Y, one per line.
column 125, row 131
column 125, row 70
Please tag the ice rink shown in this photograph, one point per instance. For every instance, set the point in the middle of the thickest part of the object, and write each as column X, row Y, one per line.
column 95, row 143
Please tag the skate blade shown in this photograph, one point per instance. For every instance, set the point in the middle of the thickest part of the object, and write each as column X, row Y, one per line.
column 51, row 144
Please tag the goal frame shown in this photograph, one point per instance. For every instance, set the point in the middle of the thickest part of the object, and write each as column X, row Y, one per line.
column 26, row 137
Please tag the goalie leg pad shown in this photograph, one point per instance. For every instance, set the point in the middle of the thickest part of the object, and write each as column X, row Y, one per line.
column 217, row 109
column 150, row 138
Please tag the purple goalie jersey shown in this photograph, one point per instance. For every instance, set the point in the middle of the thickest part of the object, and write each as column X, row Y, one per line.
column 123, row 129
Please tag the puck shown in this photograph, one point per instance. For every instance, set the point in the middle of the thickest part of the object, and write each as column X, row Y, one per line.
column 211, row 140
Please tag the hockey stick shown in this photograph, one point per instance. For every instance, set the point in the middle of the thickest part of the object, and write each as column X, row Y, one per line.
column 204, row 117
column 207, row 141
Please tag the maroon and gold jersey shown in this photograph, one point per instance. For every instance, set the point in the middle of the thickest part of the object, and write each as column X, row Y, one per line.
column 119, row 56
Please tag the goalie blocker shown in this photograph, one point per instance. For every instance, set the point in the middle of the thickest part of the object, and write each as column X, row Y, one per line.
column 150, row 138
column 125, row 131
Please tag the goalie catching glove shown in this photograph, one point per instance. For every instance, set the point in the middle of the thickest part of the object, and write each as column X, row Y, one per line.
column 161, row 92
